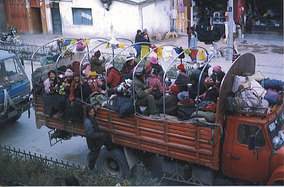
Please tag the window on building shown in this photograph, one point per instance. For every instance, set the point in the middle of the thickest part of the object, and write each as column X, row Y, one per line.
column 244, row 131
column 82, row 16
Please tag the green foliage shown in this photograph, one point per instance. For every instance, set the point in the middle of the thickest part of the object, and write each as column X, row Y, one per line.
column 31, row 171
column 142, row 177
column 34, row 171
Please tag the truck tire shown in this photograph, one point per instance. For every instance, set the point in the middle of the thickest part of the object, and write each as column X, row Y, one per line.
column 113, row 163
column 15, row 118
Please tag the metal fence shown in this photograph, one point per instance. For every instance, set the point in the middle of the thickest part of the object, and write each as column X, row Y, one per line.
column 25, row 50
column 22, row 154
column 28, row 155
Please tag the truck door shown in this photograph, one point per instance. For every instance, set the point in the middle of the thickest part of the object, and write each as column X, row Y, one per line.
column 250, row 165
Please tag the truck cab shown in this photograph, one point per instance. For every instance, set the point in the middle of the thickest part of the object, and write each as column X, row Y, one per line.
column 15, row 88
column 253, row 147
column 253, row 141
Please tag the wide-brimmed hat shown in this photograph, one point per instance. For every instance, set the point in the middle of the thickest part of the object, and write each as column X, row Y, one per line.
column 93, row 73
column 153, row 60
column 128, row 82
column 68, row 73
column 183, row 96
column 129, row 58
column 139, row 71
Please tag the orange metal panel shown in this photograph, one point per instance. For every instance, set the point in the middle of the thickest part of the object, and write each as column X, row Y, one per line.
column 188, row 142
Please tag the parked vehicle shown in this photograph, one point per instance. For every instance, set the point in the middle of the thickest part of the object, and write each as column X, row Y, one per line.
column 15, row 88
column 11, row 37
column 238, row 145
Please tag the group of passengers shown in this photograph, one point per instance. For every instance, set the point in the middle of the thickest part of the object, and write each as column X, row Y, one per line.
column 62, row 93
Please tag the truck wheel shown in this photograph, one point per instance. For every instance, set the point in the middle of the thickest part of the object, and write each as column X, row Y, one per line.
column 15, row 118
column 113, row 163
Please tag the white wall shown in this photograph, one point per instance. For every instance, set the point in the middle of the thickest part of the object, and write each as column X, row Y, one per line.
column 122, row 20
column 156, row 17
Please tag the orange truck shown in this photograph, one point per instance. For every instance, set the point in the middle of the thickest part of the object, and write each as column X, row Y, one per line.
column 238, row 145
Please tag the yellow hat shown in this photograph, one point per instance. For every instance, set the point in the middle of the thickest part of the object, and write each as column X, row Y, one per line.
column 93, row 73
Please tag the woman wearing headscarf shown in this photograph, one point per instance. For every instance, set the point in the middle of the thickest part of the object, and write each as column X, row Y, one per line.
column 183, row 80
column 113, row 76
column 154, row 65
column 50, row 94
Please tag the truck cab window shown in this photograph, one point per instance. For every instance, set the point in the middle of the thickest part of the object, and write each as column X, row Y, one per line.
column 275, row 132
column 244, row 131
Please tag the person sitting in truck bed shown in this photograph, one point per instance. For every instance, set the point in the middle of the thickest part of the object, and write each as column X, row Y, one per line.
column 113, row 76
column 183, row 80
column 155, row 83
column 51, row 98
column 127, row 69
column 154, row 65
column 75, row 113
column 215, row 71
column 143, row 94
column 64, row 90
column 94, row 82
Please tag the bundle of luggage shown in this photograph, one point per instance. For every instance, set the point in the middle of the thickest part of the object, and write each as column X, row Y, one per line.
column 255, row 93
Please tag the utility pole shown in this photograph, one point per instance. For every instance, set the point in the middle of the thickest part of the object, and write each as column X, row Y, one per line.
column 230, row 27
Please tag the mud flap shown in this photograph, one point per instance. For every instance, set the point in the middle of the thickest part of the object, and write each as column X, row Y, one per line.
column 131, row 158
column 203, row 175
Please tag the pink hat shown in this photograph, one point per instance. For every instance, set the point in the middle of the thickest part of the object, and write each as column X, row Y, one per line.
column 217, row 68
column 108, row 65
column 68, row 73
column 153, row 60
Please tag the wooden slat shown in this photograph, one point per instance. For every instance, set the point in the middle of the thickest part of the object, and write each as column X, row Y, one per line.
column 188, row 142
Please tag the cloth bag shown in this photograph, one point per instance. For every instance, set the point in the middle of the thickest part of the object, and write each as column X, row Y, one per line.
column 238, row 80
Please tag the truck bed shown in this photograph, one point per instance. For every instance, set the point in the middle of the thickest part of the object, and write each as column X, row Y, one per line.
column 194, row 141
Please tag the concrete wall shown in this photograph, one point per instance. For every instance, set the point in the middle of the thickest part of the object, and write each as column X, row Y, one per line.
column 3, row 23
column 156, row 17
column 122, row 20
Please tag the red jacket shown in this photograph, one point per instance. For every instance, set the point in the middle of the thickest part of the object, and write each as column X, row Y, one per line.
column 95, row 85
column 113, row 78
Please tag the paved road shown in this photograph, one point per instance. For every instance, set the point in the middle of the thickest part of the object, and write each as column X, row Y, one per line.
column 24, row 135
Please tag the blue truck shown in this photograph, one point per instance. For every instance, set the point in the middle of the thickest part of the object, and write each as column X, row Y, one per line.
column 15, row 88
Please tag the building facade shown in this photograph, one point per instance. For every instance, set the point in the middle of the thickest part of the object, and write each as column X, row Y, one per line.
column 89, row 18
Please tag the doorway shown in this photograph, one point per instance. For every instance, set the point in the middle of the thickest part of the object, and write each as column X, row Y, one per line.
column 56, row 19
column 36, row 20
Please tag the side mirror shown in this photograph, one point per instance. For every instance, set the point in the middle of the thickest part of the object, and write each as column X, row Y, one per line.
column 251, row 142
